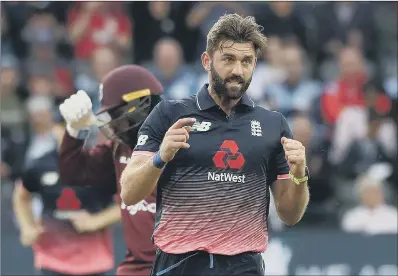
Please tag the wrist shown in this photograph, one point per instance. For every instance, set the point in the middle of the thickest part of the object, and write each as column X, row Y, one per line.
column 157, row 161
column 300, row 176
column 80, row 134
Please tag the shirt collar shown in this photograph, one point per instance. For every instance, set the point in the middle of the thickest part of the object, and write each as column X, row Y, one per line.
column 205, row 101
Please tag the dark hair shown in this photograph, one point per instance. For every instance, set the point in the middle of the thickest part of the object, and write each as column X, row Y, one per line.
column 238, row 29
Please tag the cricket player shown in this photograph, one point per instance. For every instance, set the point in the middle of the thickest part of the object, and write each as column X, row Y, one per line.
column 72, row 235
column 127, row 95
column 213, row 158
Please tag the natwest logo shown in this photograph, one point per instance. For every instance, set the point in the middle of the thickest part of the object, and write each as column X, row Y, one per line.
column 229, row 156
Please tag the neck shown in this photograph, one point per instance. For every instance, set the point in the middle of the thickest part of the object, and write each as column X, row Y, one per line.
column 224, row 103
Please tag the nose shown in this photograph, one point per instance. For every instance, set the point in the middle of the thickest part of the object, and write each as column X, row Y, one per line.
column 238, row 69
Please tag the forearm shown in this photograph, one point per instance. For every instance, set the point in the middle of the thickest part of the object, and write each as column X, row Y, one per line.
column 78, row 166
column 138, row 181
column 107, row 217
column 292, row 202
column 23, row 212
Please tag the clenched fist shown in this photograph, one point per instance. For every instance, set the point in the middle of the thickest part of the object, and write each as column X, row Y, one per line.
column 176, row 138
column 295, row 156
column 77, row 111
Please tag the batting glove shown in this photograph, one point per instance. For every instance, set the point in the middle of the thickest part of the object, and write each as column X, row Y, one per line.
column 77, row 112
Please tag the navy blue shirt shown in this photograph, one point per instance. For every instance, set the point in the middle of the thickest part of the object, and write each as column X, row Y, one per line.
column 214, row 196
column 61, row 248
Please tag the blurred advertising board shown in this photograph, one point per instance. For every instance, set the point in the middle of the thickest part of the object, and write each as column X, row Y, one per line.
column 331, row 253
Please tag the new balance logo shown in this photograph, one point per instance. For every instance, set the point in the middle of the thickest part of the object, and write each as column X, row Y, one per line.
column 256, row 128
column 201, row 126
column 229, row 156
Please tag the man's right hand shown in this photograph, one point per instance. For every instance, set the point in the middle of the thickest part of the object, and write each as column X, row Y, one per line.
column 176, row 138
column 77, row 111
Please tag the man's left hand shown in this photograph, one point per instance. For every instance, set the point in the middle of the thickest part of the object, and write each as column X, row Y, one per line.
column 295, row 156
column 84, row 222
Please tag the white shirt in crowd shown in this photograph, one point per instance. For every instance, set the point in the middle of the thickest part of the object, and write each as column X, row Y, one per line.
column 380, row 220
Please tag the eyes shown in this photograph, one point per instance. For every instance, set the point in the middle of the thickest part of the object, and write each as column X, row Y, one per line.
column 231, row 60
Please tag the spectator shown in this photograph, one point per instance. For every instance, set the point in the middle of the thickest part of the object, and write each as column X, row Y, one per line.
column 204, row 14
column 41, row 81
column 297, row 92
column 375, row 142
column 44, row 61
column 281, row 19
column 42, row 29
column 345, row 23
column 347, row 90
column 177, row 78
column 373, row 216
column 13, row 120
column 103, row 60
column 94, row 24
column 268, row 71
column 162, row 19
column 304, row 131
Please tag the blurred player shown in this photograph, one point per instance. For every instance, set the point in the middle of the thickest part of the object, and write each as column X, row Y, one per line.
column 71, row 237
column 127, row 95
column 214, row 158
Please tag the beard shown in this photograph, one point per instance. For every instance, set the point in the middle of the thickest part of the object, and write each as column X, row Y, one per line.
column 224, row 92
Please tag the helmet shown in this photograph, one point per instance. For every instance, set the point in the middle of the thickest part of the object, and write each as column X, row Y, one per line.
column 127, row 95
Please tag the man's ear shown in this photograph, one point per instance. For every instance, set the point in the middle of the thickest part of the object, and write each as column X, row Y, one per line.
column 206, row 61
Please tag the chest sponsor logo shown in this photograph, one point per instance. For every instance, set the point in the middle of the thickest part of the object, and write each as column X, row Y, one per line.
column 226, row 177
column 255, row 127
column 124, row 159
column 201, row 126
column 67, row 204
column 228, row 157
column 142, row 206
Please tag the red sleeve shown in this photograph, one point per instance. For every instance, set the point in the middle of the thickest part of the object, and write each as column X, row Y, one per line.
column 78, row 166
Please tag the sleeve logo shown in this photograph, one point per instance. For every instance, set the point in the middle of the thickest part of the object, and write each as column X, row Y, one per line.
column 142, row 140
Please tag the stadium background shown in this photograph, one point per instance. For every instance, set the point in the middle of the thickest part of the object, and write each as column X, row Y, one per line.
column 330, row 68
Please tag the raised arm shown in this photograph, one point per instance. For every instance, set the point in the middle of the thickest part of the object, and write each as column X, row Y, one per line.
column 78, row 166
column 157, row 145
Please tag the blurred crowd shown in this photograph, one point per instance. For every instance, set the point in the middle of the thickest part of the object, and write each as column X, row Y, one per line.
column 330, row 68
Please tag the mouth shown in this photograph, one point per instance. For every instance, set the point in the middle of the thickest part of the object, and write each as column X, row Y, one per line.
column 235, row 82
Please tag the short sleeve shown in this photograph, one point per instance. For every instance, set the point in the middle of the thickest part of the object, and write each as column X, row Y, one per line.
column 31, row 181
column 152, row 131
column 278, row 167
